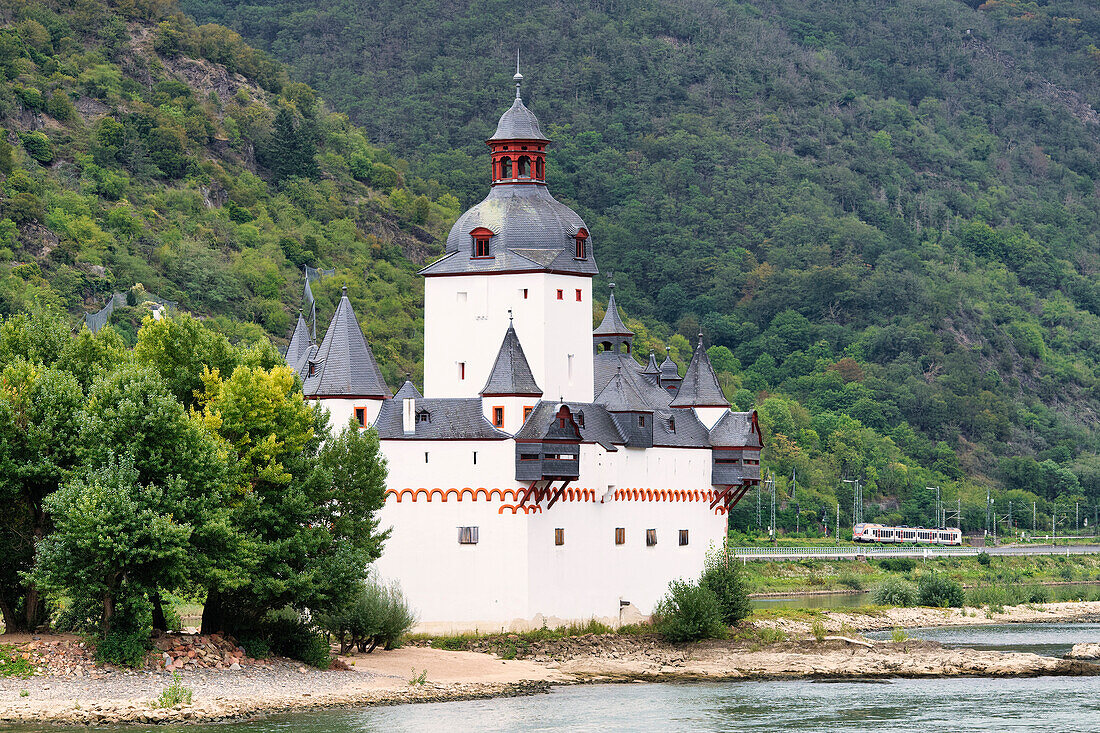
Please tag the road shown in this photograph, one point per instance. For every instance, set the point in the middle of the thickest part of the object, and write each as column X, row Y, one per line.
column 833, row 553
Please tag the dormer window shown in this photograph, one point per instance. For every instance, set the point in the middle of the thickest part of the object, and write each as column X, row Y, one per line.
column 582, row 245
column 423, row 416
column 480, row 238
column 672, row 424
column 312, row 369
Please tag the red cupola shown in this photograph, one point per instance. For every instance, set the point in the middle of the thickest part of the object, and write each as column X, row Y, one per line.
column 518, row 145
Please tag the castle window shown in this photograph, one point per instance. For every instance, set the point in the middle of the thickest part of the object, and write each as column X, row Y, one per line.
column 620, row 535
column 528, row 456
column 578, row 295
column 312, row 369
column 650, row 537
column 481, row 247
column 561, row 295
column 425, row 456
column 506, row 167
column 582, row 245
column 527, row 412
column 461, row 370
column 561, row 422
column 539, row 168
column 525, row 293
column 524, row 167
column 361, row 416
column 423, row 416
column 467, row 535
column 559, row 536
column 475, row 457
column 641, row 421
column 498, row 417
column 672, row 424
column 580, row 418
column 683, row 537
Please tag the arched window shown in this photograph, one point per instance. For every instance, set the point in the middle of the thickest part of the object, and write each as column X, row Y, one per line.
column 539, row 169
column 506, row 167
column 480, row 238
column 524, row 167
column 605, row 346
column 582, row 245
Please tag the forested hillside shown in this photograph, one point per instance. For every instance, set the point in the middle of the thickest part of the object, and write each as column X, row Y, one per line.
column 882, row 215
column 144, row 150
column 887, row 212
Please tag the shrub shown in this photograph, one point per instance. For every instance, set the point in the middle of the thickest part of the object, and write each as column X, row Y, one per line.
column 989, row 595
column 286, row 633
column 898, row 564
column 939, row 591
column 378, row 615
column 898, row 635
column 689, row 612
column 848, row 580
column 1037, row 594
column 895, row 592
column 984, row 558
column 123, row 647
column 13, row 665
column 818, row 629
column 174, row 694
column 38, row 146
column 725, row 581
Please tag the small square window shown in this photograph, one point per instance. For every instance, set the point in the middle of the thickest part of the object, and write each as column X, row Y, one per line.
column 650, row 537
column 361, row 416
column 561, row 295
column 683, row 537
column 578, row 295
column 467, row 535
column 620, row 535
column 641, row 421
column 498, row 417
column 559, row 536
column 461, row 370
column 527, row 412
column 525, row 293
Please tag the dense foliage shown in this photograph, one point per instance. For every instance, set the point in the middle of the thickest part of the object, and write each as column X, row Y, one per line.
column 377, row 615
column 117, row 493
column 690, row 611
column 883, row 215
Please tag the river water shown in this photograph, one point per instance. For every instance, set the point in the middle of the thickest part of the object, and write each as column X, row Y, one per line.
column 1039, row 704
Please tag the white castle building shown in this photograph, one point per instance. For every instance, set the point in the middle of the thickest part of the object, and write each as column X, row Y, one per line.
column 544, row 475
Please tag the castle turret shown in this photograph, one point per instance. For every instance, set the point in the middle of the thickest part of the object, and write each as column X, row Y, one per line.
column 700, row 389
column 612, row 334
column 511, row 391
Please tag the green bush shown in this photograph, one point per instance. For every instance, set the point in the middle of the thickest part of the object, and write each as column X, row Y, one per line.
column 992, row 595
column 175, row 694
column 895, row 592
column 1037, row 594
column 38, row 146
column 122, row 647
column 286, row 633
column 898, row 564
column 818, row 629
column 984, row 558
column 378, row 615
column 725, row 581
column 939, row 591
column 849, row 580
column 689, row 612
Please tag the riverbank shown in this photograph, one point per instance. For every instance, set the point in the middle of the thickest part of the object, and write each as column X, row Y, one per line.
column 781, row 647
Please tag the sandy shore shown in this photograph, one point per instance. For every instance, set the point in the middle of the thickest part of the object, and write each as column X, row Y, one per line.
column 384, row 678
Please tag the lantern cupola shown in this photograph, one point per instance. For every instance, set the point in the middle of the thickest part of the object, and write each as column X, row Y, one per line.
column 518, row 145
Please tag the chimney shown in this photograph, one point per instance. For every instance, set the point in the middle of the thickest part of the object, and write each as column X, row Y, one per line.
column 409, row 415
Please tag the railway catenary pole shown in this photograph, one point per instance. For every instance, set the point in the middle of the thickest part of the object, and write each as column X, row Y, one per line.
column 775, row 535
column 1010, row 529
column 1033, row 516
column 940, row 520
column 838, row 523
column 1077, row 517
column 794, row 496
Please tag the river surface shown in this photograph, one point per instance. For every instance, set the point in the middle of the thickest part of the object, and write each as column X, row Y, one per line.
column 910, row 706
column 842, row 599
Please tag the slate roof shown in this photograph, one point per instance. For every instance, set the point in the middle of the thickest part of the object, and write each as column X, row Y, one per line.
column 669, row 368
column 599, row 427
column 651, row 367
column 607, row 364
column 612, row 324
column 344, row 365
column 700, row 386
column 734, row 429
column 621, row 396
column 299, row 342
column 518, row 123
column 511, row 374
column 532, row 231
column 451, row 419
column 689, row 432
column 408, row 389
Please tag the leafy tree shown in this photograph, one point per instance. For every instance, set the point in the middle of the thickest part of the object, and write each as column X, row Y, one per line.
column 291, row 152
column 180, row 348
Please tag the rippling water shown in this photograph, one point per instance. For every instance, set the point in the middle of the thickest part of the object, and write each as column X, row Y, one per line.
column 1052, row 640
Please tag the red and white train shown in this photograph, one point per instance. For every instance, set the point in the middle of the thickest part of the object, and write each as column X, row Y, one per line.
column 867, row 532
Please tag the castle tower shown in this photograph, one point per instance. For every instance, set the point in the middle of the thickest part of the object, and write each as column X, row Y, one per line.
column 700, row 390
column 521, row 250
column 511, row 391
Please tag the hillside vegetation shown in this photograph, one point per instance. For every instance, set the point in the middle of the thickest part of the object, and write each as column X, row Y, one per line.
column 883, row 214
column 143, row 149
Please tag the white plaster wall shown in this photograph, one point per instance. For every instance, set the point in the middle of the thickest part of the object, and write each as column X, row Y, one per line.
column 513, row 410
column 710, row 416
column 341, row 410
column 466, row 316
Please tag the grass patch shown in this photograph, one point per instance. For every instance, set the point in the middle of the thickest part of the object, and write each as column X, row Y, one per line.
column 174, row 694
column 13, row 665
column 517, row 643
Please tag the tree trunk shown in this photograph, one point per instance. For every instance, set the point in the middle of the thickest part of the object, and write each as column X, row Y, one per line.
column 108, row 613
column 11, row 621
column 35, row 609
column 159, row 622
column 213, row 613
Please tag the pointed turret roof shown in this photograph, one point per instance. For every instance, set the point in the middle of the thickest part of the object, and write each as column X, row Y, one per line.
column 612, row 324
column 651, row 367
column 518, row 123
column 344, row 365
column 669, row 368
column 408, row 390
column 700, row 386
column 299, row 342
column 511, row 374
column 621, row 396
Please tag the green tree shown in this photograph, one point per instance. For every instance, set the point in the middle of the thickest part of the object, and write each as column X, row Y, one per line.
column 292, row 150
column 180, row 348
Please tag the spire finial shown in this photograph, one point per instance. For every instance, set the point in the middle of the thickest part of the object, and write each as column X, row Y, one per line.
column 668, row 351
column 518, row 76
column 344, row 291
column 509, row 316
column 700, row 338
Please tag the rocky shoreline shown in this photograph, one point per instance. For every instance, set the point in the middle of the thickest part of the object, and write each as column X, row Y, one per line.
column 772, row 649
